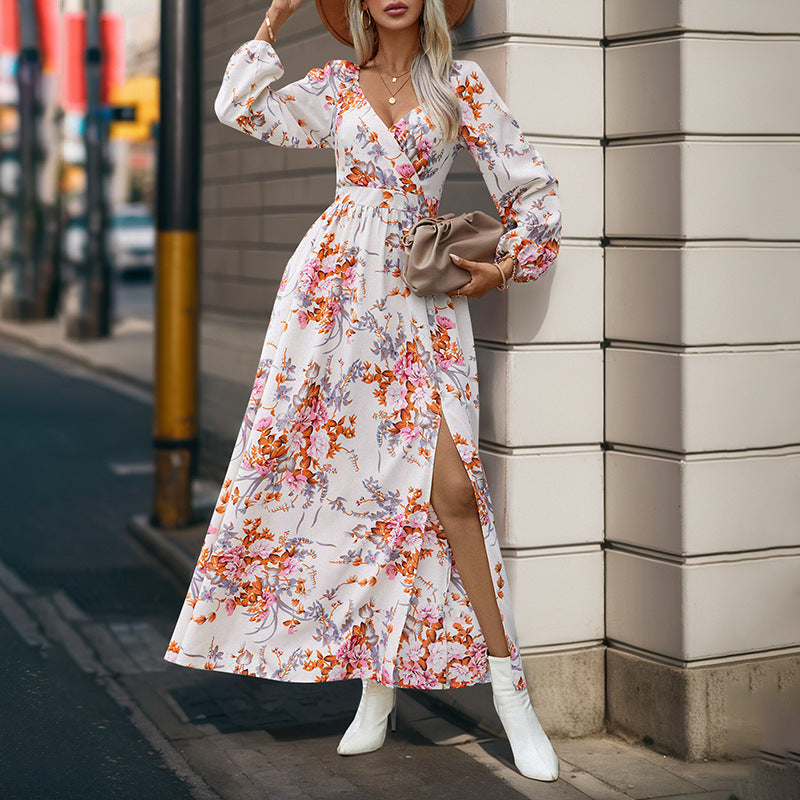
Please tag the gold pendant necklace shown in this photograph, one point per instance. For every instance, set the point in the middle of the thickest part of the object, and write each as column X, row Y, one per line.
column 395, row 77
column 393, row 95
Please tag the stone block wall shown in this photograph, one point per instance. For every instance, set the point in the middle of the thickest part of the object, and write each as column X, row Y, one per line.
column 702, row 373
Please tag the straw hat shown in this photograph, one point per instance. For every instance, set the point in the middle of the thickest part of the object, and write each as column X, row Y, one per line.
column 334, row 15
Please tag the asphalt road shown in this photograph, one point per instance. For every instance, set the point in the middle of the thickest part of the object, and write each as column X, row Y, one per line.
column 65, row 508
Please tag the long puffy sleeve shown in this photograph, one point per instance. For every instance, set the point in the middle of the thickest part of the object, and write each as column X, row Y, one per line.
column 300, row 114
column 523, row 190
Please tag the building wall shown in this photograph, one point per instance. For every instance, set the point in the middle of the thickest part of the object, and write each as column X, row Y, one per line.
column 702, row 377
column 637, row 422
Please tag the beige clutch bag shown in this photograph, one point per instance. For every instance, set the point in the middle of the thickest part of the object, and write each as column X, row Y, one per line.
column 429, row 242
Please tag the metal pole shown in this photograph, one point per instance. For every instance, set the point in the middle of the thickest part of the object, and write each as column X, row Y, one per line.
column 21, row 301
column 176, row 349
column 92, row 318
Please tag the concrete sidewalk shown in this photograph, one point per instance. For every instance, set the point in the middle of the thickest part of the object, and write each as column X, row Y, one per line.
column 242, row 735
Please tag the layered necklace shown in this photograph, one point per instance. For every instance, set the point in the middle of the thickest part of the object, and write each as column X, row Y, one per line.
column 393, row 94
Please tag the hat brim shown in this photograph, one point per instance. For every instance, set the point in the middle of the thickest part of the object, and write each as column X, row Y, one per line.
column 334, row 16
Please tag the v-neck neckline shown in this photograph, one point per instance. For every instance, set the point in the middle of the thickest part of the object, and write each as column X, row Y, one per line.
column 390, row 128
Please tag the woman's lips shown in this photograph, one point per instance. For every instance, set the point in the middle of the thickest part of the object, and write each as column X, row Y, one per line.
column 396, row 9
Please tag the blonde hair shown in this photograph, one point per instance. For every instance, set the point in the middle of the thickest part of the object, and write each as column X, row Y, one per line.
column 430, row 69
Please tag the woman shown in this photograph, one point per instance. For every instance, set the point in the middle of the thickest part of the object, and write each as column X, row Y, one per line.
column 354, row 534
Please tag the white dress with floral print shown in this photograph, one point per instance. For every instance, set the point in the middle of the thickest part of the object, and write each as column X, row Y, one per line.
column 324, row 559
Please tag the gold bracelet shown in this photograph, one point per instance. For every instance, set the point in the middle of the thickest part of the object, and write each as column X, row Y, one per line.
column 502, row 286
column 514, row 265
column 269, row 28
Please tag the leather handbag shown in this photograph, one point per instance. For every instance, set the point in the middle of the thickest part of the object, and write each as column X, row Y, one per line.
column 429, row 242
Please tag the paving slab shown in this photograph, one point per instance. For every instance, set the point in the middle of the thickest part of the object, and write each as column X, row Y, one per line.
column 718, row 795
column 623, row 768
column 710, row 775
column 495, row 756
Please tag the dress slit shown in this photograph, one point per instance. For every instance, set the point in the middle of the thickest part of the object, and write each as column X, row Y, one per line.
column 481, row 498
column 455, row 602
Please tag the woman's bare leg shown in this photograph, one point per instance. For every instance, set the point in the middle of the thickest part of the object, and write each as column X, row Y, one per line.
column 453, row 500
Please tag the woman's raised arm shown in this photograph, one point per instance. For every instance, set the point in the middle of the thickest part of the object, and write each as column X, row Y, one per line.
column 300, row 114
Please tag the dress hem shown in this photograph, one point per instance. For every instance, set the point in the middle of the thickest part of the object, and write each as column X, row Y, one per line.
column 190, row 663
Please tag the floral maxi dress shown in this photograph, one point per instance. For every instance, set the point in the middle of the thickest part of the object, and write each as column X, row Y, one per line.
column 324, row 559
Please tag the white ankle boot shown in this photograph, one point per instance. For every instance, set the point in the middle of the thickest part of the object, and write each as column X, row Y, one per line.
column 533, row 753
column 367, row 731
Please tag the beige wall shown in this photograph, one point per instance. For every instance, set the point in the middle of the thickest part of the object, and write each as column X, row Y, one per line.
column 702, row 373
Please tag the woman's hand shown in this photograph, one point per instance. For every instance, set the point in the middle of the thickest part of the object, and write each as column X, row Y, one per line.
column 278, row 13
column 484, row 277
column 288, row 6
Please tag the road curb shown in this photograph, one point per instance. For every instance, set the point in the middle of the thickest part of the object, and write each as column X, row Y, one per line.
column 171, row 547
column 69, row 352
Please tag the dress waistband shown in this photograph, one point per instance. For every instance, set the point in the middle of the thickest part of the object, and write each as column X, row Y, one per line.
column 383, row 197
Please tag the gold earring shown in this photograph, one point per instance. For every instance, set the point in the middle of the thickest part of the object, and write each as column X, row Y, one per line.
column 369, row 18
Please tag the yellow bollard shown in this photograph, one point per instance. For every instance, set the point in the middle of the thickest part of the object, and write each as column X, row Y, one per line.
column 176, row 372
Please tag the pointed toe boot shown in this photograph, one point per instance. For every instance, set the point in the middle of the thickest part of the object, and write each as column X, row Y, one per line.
column 367, row 731
column 533, row 753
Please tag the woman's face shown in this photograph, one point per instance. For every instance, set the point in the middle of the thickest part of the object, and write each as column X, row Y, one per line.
column 394, row 14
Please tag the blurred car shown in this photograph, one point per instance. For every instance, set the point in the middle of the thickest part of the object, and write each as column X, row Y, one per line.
column 131, row 240
column 9, row 173
column 74, row 243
